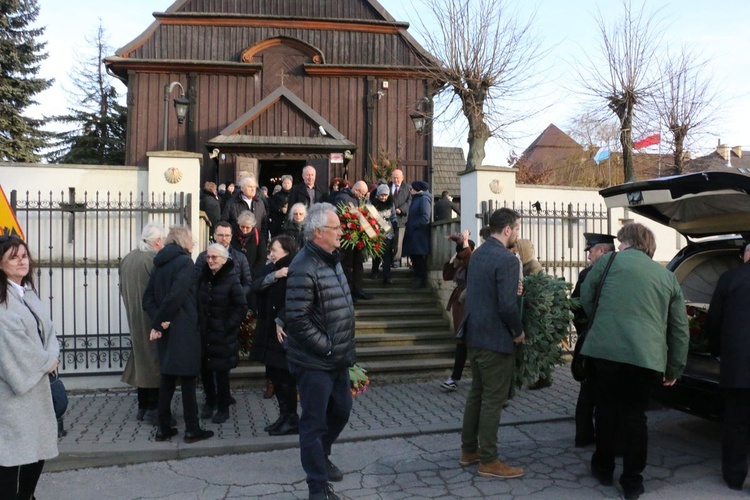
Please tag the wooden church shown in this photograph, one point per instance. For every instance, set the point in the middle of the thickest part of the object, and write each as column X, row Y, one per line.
column 273, row 85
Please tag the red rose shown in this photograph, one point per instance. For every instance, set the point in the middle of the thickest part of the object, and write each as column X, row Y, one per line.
column 377, row 246
column 348, row 236
column 360, row 244
column 352, row 225
column 343, row 226
column 372, row 222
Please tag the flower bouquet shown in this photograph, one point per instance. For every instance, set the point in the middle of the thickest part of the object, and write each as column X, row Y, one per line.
column 361, row 230
column 247, row 332
column 359, row 380
column 697, row 315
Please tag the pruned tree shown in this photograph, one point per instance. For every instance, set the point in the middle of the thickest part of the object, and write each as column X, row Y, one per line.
column 685, row 101
column 486, row 57
column 623, row 77
column 99, row 121
column 21, row 137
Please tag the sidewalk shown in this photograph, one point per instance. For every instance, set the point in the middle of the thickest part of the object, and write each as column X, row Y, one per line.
column 103, row 431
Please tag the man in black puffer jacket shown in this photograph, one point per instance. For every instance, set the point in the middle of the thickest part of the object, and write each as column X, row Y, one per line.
column 319, row 322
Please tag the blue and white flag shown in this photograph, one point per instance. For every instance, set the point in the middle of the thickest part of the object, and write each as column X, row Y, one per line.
column 601, row 155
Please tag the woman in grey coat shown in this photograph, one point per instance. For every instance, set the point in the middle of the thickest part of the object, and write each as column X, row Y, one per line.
column 28, row 354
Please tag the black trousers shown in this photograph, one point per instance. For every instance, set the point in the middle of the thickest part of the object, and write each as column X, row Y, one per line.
column 734, row 436
column 585, row 413
column 148, row 398
column 352, row 261
column 189, row 403
column 459, row 362
column 621, row 396
column 19, row 482
column 420, row 267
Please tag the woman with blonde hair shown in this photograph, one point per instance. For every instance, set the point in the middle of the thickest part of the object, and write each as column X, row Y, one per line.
column 170, row 301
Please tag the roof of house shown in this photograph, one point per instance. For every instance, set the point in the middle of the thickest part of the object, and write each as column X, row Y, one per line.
column 447, row 163
column 551, row 147
column 739, row 160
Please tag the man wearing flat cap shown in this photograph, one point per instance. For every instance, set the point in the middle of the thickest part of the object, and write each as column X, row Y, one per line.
column 596, row 245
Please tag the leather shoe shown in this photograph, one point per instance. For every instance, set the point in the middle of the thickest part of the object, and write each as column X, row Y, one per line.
column 633, row 494
column 275, row 424
column 468, row 459
column 207, row 411
column 326, row 494
column 199, row 435
column 499, row 469
column 220, row 417
column 334, row 473
column 165, row 434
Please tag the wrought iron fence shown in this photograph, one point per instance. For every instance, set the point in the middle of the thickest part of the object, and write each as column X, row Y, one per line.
column 77, row 245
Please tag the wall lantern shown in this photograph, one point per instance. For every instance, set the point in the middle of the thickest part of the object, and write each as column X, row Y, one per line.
column 419, row 121
column 181, row 104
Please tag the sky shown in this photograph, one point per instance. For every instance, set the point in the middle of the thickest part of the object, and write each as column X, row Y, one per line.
column 566, row 29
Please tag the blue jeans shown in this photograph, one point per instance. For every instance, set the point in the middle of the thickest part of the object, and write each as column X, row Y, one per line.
column 326, row 403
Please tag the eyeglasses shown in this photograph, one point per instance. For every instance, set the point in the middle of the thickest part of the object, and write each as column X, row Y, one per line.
column 333, row 228
column 214, row 257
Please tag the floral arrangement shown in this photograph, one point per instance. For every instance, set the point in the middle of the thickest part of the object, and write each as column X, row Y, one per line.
column 247, row 333
column 359, row 380
column 383, row 165
column 361, row 230
column 699, row 341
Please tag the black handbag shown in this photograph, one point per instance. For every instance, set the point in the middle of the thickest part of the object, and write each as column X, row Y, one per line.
column 59, row 395
column 580, row 365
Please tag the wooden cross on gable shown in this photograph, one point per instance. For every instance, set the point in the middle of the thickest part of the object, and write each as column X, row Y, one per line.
column 282, row 74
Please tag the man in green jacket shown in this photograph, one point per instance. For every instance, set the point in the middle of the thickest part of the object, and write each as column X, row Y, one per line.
column 637, row 339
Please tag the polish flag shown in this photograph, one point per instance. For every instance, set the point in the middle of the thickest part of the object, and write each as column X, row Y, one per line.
column 648, row 141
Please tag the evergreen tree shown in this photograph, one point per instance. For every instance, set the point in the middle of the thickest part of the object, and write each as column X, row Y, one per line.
column 99, row 121
column 21, row 137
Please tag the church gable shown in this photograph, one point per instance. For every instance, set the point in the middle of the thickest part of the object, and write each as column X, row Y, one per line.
column 308, row 9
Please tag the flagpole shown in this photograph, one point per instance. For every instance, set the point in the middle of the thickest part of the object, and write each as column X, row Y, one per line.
column 659, row 152
column 609, row 168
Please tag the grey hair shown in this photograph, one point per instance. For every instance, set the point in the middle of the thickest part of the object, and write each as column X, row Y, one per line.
column 180, row 236
column 290, row 213
column 317, row 218
column 152, row 232
column 246, row 180
column 246, row 218
column 287, row 177
column 223, row 252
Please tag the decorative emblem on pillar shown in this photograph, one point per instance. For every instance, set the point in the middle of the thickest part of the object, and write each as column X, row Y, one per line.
column 496, row 187
column 173, row 175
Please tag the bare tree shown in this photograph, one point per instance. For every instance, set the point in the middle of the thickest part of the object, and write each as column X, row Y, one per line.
column 685, row 101
column 593, row 131
column 486, row 57
column 623, row 77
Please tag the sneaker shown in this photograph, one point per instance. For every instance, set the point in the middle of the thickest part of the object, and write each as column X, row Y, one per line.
column 220, row 417
column 449, row 385
column 326, row 494
column 468, row 459
column 199, row 435
column 500, row 469
column 334, row 473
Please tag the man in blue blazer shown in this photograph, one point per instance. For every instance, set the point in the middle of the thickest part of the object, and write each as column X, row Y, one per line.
column 491, row 327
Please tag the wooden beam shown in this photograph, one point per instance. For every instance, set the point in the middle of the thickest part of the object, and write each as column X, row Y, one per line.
column 283, row 22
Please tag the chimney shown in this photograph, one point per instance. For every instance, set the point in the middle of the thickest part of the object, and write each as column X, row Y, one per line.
column 737, row 150
column 723, row 151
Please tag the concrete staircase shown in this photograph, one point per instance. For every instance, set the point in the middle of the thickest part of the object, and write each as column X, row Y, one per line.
column 400, row 332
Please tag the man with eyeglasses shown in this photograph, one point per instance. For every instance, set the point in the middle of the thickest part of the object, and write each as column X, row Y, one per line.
column 319, row 327
column 223, row 236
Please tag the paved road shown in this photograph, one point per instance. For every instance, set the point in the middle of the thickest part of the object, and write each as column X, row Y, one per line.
column 684, row 462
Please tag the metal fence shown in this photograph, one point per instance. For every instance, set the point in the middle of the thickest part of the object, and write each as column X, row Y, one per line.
column 77, row 244
column 556, row 230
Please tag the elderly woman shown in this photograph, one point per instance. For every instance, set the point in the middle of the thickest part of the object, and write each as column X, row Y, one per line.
column 294, row 222
column 248, row 240
column 221, row 309
column 383, row 203
column 637, row 339
column 28, row 355
column 169, row 300
column 279, row 205
column 269, row 346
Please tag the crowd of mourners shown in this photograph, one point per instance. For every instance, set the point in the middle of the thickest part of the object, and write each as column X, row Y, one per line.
column 278, row 260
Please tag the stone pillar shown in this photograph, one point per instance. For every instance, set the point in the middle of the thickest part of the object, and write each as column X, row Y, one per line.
column 174, row 172
column 484, row 184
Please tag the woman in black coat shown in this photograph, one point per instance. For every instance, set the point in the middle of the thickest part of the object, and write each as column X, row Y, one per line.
column 269, row 346
column 279, row 206
column 294, row 222
column 169, row 300
column 221, row 309
column 248, row 240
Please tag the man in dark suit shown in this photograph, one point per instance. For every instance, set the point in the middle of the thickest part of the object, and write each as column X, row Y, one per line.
column 445, row 207
column 306, row 192
column 401, row 192
column 728, row 326
column 491, row 328
column 596, row 245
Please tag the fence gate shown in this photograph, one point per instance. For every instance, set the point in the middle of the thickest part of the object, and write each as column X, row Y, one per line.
column 77, row 245
column 556, row 231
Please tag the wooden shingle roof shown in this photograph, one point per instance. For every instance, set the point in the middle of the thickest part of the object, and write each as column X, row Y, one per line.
column 447, row 163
